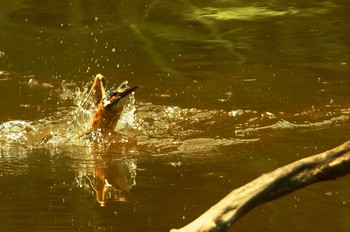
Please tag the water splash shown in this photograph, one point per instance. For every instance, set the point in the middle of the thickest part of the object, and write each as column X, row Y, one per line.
column 158, row 128
column 106, row 165
column 67, row 127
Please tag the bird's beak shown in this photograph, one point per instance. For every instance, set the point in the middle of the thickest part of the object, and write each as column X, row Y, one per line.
column 121, row 92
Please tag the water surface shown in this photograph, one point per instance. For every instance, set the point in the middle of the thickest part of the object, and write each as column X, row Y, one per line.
column 228, row 91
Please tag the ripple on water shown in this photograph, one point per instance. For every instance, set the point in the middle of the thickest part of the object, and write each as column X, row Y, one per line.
column 161, row 129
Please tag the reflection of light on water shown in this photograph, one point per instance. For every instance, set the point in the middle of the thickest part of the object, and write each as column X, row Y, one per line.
column 66, row 127
column 16, row 131
column 15, row 159
column 157, row 128
column 171, row 129
column 143, row 128
column 269, row 121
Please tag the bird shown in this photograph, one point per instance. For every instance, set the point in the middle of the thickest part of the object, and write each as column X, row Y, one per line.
column 109, row 104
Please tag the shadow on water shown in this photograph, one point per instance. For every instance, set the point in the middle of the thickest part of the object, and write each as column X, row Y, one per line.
column 228, row 90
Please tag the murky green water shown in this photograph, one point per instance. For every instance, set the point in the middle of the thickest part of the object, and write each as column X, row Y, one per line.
column 228, row 91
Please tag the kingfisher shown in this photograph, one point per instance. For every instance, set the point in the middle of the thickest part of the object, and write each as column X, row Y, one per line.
column 109, row 104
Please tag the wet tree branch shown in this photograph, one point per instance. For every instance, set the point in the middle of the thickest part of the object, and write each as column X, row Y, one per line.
column 324, row 166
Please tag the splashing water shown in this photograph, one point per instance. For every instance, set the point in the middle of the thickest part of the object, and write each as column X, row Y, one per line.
column 160, row 129
column 66, row 127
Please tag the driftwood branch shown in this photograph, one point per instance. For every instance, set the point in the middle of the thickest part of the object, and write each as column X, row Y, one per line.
column 324, row 166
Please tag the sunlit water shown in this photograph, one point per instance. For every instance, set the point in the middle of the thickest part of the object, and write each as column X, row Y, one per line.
column 144, row 128
column 228, row 91
column 160, row 128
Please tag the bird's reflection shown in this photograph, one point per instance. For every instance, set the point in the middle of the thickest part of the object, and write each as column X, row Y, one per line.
column 111, row 181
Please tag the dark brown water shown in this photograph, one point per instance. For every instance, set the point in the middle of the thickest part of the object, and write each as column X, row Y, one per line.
column 229, row 90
